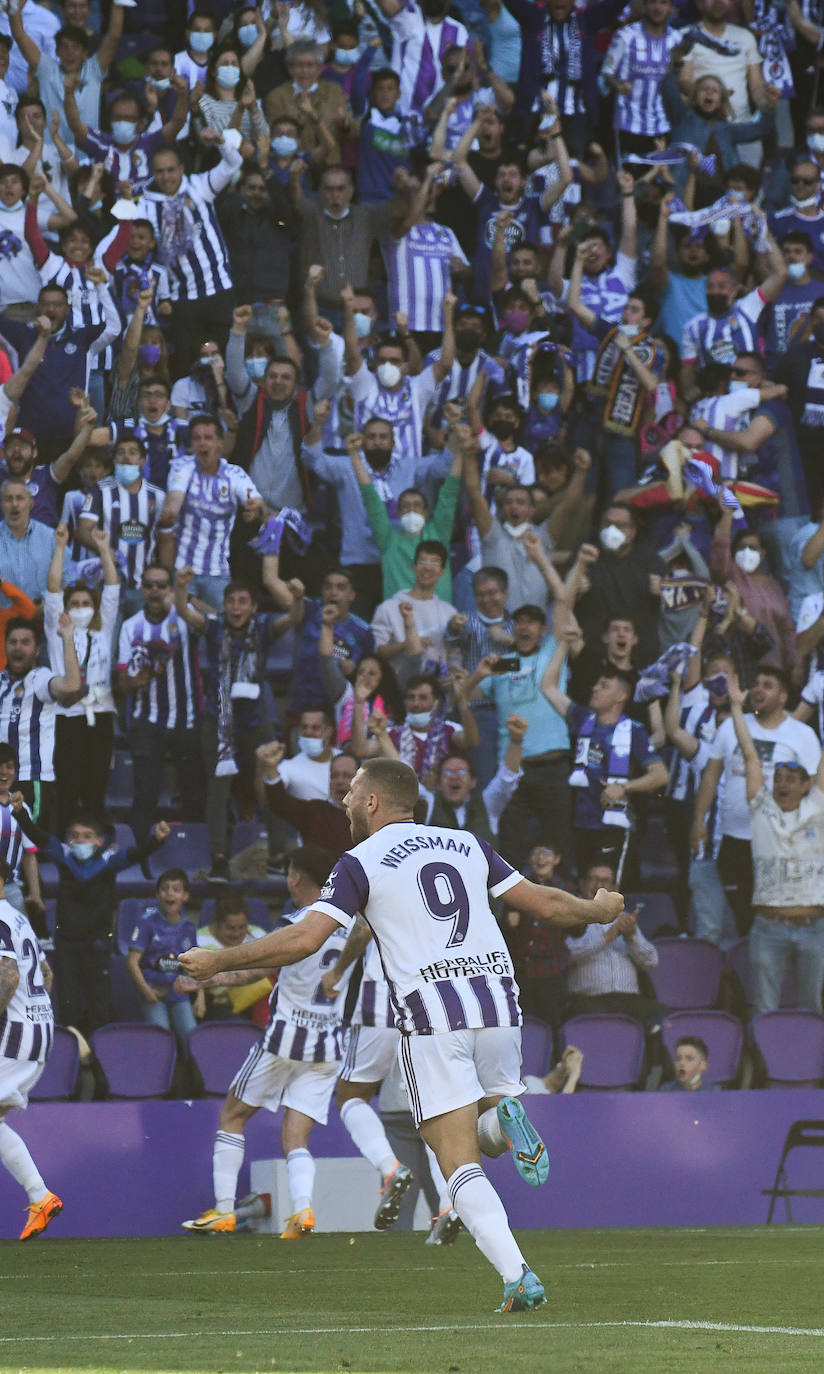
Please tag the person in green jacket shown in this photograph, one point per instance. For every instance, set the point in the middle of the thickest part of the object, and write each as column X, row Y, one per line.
column 397, row 546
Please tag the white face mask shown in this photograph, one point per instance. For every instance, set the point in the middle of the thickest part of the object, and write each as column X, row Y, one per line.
column 805, row 204
column 737, row 384
column 517, row 530
column 82, row 850
column 419, row 720
column 310, row 746
column 363, row 324
column 412, row 522
column 629, row 331
column 721, row 227
column 389, row 374
column 489, row 619
column 815, row 142
column 612, row 538
column 161, row 419
column 796, row 270
column 747, row 559
column 284, row 145
column 81, row 616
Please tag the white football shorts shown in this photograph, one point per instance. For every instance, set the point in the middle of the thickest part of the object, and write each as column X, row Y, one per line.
column 266, row 1080
column 17, row 1078
column 371, row 1054
column 452, row 1069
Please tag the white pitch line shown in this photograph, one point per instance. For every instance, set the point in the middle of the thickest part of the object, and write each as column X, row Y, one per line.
column 542, row 1326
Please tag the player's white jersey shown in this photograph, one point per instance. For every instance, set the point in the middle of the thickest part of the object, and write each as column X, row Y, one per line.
column 423, row 889
column 27, row 1024
column 303, row 1023
column 374, row 1006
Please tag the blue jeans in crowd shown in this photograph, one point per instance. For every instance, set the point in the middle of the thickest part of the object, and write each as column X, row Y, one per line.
column 176, row 1016
column 773, row 945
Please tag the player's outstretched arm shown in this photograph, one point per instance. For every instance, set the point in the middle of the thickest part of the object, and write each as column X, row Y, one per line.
column 564, row 908
column 286, row 946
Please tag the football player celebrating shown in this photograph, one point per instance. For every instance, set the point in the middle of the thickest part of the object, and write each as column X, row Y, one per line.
column 423, row 892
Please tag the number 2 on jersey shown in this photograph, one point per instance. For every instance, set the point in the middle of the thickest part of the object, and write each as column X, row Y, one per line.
column 446, row 899
column 319, row 998
column 34, row 974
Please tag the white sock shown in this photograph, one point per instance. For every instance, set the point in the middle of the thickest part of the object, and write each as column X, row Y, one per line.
column 491, row 1138
column 300, row 1170
column 444, row 1200
column 14, row 1154
column 227, row 1158
column 364, row 1126
column 482, row 1213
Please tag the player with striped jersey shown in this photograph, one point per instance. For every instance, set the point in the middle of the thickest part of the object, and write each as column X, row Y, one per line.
column 17, row 851
column 371, row 1055
column 423, row 891
column 636, row 63
column 26, row 1036
column 294, row 1066
column 158, row 654
column 203, row 497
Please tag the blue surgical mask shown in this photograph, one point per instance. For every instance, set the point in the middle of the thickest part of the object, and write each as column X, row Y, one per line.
column 256, row 368
column 796, row 270
column 629, row 331
column 10, row 209
column 737, row 385
column 419, row 720
column 161, row 83
column 284, row 145
column 201, row 42
column 548, row 400
column 346, row 57
column 310, row 746
column 82, row 851
column 124, row 130
column 247, row 33
column 126, row 473
column 363, row 324
column 228, row 76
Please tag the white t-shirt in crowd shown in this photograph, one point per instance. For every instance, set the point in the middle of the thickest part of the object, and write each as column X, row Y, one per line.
column 305, row 778
column 788, row 850
column 790, row 742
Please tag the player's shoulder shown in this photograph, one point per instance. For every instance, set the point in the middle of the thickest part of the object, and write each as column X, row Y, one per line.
column 16, row 922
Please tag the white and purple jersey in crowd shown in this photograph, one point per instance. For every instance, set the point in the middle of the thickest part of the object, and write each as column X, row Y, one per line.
column 129, row 278
column 420, row 273
column 404, row 408
column 605, row 295
column 460, row 380
column 44, row 491
column 132, row 164
column 303, row 1024
column 423, row 890
column 417, row 51
column 519, row 462
column 129, row 519
column 697, row 717
column 27, row 1024
column 373, row 1006
column 90, row 304
column 199, row 266
column 27, row 721
column 529, row 219
column 211, row 502
column 73, row 503
column 172, row 698
column 13, row 843
column 643, row 60
column 720, row 338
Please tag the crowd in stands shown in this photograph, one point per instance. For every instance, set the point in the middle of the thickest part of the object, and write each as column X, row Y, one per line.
column 439, row 381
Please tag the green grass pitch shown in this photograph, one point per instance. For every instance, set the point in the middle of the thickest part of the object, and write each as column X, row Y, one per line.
column 745, row 1299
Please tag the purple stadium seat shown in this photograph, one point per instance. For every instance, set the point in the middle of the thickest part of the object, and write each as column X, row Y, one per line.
column 613, row 1049
column 246, row 833
column 655, row 909
column 536, row 1046
column 129, row 913
column 125, row 998
column 688, row 973
column 120, row 786
column 138, row 1060
column 280, row 660
column 187, row 847
column 59, row 1078
column 722, row 1034
column 132, row 881
column 737, row 959
column 259, row 912
column 791, row 1044
column 219, row 1048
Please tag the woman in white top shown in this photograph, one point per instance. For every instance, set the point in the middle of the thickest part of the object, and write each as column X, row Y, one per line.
column 85, row 729
column 230, row 101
